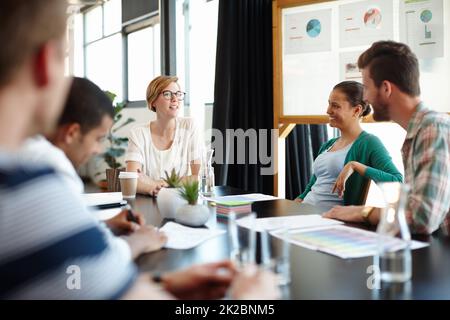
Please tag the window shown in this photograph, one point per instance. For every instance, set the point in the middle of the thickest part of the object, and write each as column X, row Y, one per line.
column 144, row 60
column 99, row 40
column 104, row 64
column 94, row 24
column 196, row 56
column 103, row 47
column 112, row 17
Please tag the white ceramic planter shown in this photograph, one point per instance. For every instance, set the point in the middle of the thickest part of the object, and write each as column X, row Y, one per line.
column 192, row 215
column 169, row 200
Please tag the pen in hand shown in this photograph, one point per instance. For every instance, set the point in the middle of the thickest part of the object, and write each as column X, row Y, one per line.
column 130, row 215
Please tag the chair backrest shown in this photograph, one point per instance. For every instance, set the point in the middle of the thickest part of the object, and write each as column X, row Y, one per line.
column 373, row 195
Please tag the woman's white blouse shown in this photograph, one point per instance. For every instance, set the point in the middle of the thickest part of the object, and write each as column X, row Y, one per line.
column 185, row 148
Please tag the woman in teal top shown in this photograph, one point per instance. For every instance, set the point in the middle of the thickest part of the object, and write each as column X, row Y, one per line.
column 342, row 170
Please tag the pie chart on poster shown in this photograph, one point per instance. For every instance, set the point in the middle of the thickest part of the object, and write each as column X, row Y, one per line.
column 372, row 18
column 313, row 28
column 426, row 16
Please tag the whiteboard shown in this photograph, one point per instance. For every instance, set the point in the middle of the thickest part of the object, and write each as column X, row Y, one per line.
column 320, row 44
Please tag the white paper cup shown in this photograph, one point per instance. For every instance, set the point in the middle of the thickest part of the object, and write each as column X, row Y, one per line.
column 128, row 184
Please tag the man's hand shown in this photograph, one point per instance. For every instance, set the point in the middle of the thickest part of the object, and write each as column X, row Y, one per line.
column 207, row 281
column 146, row 239
column 345, row 213
column 254, row 284
column 298, row 200
column 120, row 224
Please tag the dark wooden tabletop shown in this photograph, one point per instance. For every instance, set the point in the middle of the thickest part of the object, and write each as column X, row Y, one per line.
column 315, row 275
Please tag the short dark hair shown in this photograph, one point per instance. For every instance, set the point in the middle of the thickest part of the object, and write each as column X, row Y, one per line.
column 354, row 92
column 394, row 62
column 86, row 105
column 26, row 26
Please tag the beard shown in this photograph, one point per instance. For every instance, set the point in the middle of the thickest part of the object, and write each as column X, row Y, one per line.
column 380, row 111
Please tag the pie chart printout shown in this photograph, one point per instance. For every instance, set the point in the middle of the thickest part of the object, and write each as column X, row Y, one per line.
column 313, row 28
column 426, row 16
column 372, row 18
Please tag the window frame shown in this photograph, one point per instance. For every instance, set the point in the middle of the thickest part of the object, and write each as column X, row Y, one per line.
column 149, row 20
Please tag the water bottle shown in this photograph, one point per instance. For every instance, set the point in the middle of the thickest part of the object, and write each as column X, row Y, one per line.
column 393, row 259
column 207, row 174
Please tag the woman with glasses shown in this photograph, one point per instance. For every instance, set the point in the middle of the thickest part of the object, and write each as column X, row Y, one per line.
column 169, row 142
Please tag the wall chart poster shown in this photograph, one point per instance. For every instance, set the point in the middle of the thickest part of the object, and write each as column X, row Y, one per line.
column 306, row 32
column 348, row 66
column 365, row 22
column 422, row 27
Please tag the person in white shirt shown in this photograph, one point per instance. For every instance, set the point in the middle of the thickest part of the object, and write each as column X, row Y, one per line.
column 38, row 151
column 82, row 127
column 169, row 142
column 46, row 234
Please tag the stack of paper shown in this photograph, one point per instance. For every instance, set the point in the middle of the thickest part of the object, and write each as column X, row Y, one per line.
column 225, row 207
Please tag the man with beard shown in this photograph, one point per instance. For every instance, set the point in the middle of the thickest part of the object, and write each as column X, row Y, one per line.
column 390, row 73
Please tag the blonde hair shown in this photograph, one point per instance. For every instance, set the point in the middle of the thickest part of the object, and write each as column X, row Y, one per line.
column 156, row 86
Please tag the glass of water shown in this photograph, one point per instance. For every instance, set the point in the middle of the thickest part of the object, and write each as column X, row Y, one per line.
column 394, row 242
column 275, row 254
column 242, row 238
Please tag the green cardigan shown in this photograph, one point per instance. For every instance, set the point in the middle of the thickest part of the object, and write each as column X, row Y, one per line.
column 370, row 151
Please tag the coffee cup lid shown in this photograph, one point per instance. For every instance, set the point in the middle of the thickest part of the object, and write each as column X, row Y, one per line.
column 128, row 175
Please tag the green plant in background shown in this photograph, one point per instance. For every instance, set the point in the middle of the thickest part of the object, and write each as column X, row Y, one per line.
column 174, row 180
column 117, row 145
column 189, row 191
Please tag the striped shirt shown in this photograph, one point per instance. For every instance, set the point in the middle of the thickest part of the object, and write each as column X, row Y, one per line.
column 426, row 157
column 51, row 247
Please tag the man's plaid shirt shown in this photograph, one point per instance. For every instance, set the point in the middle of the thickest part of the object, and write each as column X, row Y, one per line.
column 426, row 157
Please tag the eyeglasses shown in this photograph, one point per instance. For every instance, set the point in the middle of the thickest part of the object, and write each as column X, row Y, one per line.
column 168, row 95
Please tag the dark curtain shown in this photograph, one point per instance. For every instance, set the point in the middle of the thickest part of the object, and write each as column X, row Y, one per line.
column 302, row 147
column 243, row 100
column 243, row 88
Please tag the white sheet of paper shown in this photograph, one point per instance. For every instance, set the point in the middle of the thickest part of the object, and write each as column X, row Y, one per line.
column 100, row 198
column 182, row 237
column 106, row 213
column 342, row 241
column 297, row 222
column 251, row 197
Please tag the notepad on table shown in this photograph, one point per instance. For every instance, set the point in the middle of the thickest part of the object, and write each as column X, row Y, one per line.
column 104, row 200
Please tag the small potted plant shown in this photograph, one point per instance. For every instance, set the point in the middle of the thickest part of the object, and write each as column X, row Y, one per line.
column 192, row 213
column 116, row 148
column 169, row 199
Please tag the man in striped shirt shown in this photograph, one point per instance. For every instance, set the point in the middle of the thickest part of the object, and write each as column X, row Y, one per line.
column 391, row 85
column 50, row 246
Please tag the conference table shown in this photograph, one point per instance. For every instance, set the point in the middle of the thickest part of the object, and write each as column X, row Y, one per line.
column 314, row 275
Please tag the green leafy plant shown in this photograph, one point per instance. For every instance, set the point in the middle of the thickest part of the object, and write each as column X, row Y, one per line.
column 173, row 180
column 189, row 191
column 117, row 145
